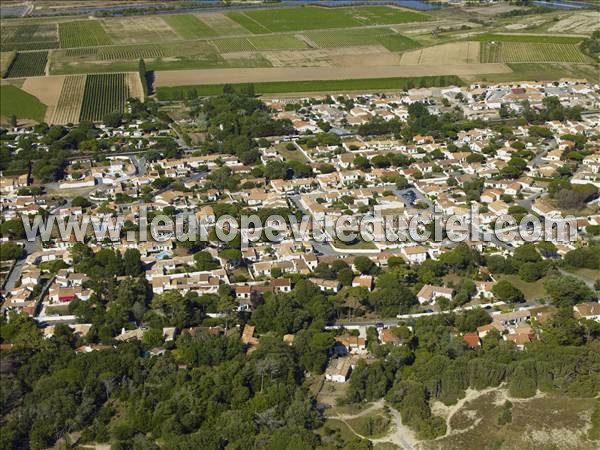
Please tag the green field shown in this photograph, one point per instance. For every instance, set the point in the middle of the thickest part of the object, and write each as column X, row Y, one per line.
column 83, row 33
column 30, row 64
column 520, row 52
column 348, row 38
column 231, row 45
column 103, row 94
column 532, row 38
column 312, row 18
column 189, row 27
column 368, row 84
column 18, row 102
column 284, row 42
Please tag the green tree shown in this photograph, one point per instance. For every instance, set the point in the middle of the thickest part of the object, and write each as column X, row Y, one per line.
column 504, row 291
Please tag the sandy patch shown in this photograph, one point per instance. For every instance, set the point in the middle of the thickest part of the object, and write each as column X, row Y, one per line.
column 364, row 55
column 135, row 85
column 451, row 54
column 583, row 22
column 257, row 75
column 134, row 30
column 47, row 90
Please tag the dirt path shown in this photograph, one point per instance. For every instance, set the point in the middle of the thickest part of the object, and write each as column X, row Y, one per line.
column 399, row 434
column 450, row 411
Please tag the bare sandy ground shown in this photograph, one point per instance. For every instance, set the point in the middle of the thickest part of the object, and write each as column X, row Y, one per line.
column 257, row 75
column 362, row 55
column 584, row 22
column 135, row 86
column 47, row 90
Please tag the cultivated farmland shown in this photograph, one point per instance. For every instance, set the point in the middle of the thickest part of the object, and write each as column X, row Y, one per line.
column 532, row 38
column 29, row 37
column 312, row 18
column 189, row 26
column 69, row 103
column 30, row 64
column 83, row 33
column 104, row 94
column 377, row 36
column 18, row 102
column 129, row 52
column 140, row 30
column 446, row 54
column 284, row 42
column 519, row 52
column 231, row 45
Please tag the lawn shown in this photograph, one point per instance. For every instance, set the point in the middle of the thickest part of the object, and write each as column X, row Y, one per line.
column 291, row 155
column 397, row 83
column 540, row 39
column 532, row 291
column 18, row 102
column 314, row 18
column 189, row 26
column 588, row 275
column 371, row 425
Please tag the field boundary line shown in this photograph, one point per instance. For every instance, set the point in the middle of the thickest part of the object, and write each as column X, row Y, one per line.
column 243, row 13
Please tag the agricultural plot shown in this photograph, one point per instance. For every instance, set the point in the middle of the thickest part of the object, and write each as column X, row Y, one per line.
column 346, row 38
column 284, row 42
column 129, row 52
column 444, row 54
column 385, row 15
column 531, row 38
column 103, row 94
column 6, row 59
column 518, row 52
column 84, row 52
column 30, row 64
column 221, row 24
column 83, row 33
column 376, row 36
column 68, row 107
column 189, row 26
column 313, row 18
column 139, row 30
column 18, row 102
column 231, row 45
column 29, row 37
